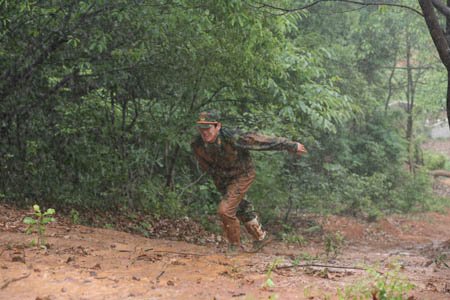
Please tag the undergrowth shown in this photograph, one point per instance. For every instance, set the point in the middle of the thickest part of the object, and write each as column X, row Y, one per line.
column 391, row 285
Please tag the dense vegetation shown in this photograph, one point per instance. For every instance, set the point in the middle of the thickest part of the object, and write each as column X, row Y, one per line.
column 99, row 98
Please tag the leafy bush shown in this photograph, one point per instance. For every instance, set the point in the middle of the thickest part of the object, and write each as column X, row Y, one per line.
column 412, row 192
column 333, row 243
column 434, row 161
column 388, row 286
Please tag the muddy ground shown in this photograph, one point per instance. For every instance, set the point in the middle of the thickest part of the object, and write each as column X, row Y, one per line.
column 94, row 263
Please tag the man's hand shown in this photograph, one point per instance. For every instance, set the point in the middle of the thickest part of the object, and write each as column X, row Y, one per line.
column 301, row 149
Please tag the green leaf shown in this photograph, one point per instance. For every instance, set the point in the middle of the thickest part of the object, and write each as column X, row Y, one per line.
column 50, row 211
column 270, row 283
column 36, row 208
column 47, row 220
column 29, row 221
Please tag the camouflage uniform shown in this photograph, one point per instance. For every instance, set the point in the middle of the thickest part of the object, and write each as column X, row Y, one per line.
column 229, row 163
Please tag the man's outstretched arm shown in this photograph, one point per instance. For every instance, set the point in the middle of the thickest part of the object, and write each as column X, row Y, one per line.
column 259, row 142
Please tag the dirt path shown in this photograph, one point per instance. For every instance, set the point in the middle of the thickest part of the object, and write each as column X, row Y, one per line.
column 92, row 263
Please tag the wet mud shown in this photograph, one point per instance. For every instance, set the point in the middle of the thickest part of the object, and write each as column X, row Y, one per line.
column 93, row 263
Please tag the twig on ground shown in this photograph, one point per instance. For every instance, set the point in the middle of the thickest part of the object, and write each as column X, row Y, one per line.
column 180, row 253
column 320, row 266
column 164, row 268
column 160, row 274
column 8, row 282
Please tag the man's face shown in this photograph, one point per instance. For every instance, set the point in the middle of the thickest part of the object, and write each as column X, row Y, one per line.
column 210, row 133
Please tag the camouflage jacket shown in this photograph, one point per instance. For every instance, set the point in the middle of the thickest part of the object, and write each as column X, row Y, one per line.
column 229, row 155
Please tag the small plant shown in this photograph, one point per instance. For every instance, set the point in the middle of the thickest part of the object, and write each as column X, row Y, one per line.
column 304, row 256
column 388, row 286
column 307, row 293
column 333, row 244
column 143, row 228
column 294, row 239
column 108, row 226
column 441, row 259
column 38, row 223
column 269, row 282
column 74, row 216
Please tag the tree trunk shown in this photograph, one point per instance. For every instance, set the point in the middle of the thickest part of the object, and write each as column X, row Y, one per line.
column 410, row 107
column 448, row 97
column 171, row 167
column 439, row 40
column 391, row 76
column 447, row 35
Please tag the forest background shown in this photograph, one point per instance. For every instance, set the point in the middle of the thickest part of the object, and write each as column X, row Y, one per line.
column 99, row 101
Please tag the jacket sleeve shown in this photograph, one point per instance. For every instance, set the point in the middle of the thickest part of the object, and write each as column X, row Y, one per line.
column 254, row 141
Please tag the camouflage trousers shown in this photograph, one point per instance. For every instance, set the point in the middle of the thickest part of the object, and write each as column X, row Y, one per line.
column 234, row 207
column 234, row 203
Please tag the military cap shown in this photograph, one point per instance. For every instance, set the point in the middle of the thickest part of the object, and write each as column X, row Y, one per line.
column 206, row 118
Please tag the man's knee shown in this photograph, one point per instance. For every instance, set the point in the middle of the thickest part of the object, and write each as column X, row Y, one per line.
column 225, row 211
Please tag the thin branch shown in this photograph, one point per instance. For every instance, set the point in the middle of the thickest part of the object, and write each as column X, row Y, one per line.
column 160, row 274
column 190, row 184
column 215, row 93
column 286, row 10
column 419, row 68
column 293, row 10
column 388, row 98
column 378, row 4
column 181, row 253
column 321, row 266
column 441, row 7
column 8, row 282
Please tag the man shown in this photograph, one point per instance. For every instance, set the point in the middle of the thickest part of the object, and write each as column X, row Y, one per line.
column 224, row 154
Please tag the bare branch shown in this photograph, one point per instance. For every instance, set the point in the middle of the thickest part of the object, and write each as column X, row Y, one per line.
column 441, row 7
column 287, row 10
column 293, row 10
column 8, row 282
column 379, row 4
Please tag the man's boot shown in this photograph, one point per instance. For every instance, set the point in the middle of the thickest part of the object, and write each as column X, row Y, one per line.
column 261, row 237
column 232, row 232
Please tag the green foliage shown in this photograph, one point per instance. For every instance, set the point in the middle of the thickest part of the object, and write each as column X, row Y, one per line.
column 289, row 235
column 447, row 166
column 388, row 286
column 268, row 283
column 304, row 256
column 333, row 243
column 434, row 161
column 38, row 223
column 294, row 239
column 99, row 99
column 441, row 259
column 414, row 192
column 74, row 216
column 108, row 226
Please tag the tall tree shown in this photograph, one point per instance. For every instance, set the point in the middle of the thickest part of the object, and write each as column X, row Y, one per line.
column 440, row 36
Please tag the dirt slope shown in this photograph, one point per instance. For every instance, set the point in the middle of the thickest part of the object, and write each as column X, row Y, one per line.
column 93, row 263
